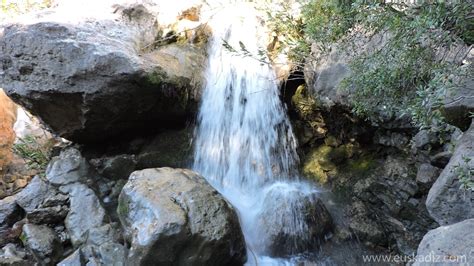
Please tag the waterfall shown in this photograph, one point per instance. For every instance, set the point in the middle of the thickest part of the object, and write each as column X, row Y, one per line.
column 244, row 144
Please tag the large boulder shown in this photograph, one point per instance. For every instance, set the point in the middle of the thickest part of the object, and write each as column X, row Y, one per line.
column 90, row 78
column 293, row 220
column 447, row 202
column 448, row 245
column 174, row 217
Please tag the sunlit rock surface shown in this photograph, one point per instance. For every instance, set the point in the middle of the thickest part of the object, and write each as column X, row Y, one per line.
column 447, row 203
column 174, row 217
column 447, row 245
column 93, row 76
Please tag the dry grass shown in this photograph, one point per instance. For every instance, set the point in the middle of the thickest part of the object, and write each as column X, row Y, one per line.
column 11, row 8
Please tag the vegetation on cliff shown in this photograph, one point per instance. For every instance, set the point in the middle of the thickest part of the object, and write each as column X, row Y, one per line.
column 409, row 73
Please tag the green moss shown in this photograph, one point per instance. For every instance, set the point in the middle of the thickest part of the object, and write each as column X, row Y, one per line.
column 169, row 149
column 157, row 77
column 361, row 166
column 318, row 163
column 23, row 238
column 331, row 141
column 341, row 162
column 122, row 208
column 303, row 103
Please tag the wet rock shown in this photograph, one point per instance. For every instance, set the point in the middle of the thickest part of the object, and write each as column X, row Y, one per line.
column 452, row 244
column 115, row 167
column 393, row 186
column 386, row 210
column 174, row 217
column 447, row 203
column 68, row 167
column 365, row 228
column 279, row 233
column 91, row 78
column 168, row 149
column 10, row 213
column 86, row 213
column 391, row 139
column 427, row 175
column 43, row 243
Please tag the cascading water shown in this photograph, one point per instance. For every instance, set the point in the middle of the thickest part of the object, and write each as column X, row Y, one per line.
column 244, row 143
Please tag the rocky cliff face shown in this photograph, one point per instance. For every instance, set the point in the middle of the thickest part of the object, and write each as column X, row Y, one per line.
column 92, row 80
column 388, row 177
column 7, row 135
column 124, row 81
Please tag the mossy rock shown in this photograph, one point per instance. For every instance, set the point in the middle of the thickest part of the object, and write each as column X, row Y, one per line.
column 168, row 149
column 318, row 163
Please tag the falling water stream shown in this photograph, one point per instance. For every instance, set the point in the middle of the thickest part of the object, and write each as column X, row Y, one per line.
column 245, row 145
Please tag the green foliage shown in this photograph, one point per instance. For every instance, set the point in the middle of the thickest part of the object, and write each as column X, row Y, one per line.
column 327, row 21
column 406, row 75
column 465, row 174
column 35, row 154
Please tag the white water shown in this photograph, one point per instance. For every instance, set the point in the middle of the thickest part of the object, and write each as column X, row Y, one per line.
column 244, row 144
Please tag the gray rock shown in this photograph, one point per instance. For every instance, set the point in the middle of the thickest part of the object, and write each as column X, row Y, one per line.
column 42, row 202
column 13, row 255
column 459, row 103
column 68, row 167
column 423, row 138
column 441, row 159
column 283, row 202
column 112, row 254
column 109, row 253
column 168, row 149
column 75, row 259
column 10, row 213
column 101, row 235
column 365, row 228
column 86, row 213
column 43, row 243
column 48, row 215
column 427, row 175
column 385, row 211
column 174, row 217
column 32, row 195
column 324, row 76
column 446, row 202
column 115, row 167
column 391, row 139
column 448, row 245
column 93, row 79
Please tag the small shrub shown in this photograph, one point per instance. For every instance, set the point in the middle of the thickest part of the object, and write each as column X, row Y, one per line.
column 465, row 174
column 36, row 155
